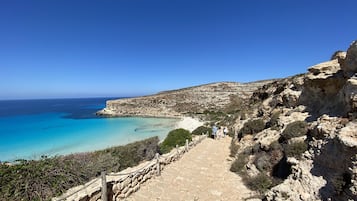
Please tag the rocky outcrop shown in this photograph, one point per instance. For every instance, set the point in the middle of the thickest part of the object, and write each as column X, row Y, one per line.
column 322, row 86
column 330, row 87
column 326, row 98
column 175, row 103
column 349, row 65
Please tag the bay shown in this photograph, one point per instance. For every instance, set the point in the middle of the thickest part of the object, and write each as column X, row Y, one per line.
column 32, row 128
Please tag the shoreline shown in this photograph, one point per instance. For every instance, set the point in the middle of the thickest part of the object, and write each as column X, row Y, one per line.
column 189, row 123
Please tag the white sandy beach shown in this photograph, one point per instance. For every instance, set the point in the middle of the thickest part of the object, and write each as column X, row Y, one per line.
column 188, row 123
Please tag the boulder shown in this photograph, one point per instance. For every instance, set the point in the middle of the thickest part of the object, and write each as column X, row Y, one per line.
column 339, row 55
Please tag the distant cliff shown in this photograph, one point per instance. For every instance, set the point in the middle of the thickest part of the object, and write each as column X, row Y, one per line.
column 177, row 103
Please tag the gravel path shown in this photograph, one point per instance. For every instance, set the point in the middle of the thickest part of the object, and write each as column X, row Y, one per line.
column 201, row 174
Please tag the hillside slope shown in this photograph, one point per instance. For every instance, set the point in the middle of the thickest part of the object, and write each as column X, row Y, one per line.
column 176, row 103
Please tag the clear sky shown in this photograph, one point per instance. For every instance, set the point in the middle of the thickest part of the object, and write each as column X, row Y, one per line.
column 72, row 48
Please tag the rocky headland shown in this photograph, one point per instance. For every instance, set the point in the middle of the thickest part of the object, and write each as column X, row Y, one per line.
column 182, row 102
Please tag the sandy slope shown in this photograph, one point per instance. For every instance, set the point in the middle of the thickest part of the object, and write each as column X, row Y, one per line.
column 188, row 123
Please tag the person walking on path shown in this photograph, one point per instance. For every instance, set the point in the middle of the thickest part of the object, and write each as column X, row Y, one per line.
column 214, row 131
column 225, row 131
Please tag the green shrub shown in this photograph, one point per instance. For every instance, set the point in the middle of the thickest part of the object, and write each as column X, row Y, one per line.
column 260, row 183
column 275, row 146
column 273, row 123
column 252, row 127
column 239, row 163
column 294, row 129
column 295, row 149
column 202, row 129
column 175, row 137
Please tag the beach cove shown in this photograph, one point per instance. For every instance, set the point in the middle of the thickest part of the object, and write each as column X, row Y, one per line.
column 30, row 129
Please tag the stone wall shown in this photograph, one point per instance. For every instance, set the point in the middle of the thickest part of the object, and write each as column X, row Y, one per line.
column 120, row 185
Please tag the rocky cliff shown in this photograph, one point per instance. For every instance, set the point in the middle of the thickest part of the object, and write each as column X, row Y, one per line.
column 308, row 149
column 193, row 100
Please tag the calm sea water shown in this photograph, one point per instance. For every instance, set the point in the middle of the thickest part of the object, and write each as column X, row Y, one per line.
column 32, row 128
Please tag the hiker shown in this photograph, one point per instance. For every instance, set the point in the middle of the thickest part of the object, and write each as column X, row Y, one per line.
column 214, row 131
column 225, row 131
column 220, row 132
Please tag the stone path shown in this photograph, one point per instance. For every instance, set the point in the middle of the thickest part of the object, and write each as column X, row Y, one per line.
column 201, row 174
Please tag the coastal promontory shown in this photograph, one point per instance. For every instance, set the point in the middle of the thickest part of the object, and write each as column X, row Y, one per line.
column 176, row 103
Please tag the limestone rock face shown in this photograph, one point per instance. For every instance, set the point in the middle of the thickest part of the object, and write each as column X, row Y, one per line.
column 301, row 185
column 321, row 90
column 350, row 94
column 330, row 87
column 339, row 55
column 180, row 102
column 350, row 63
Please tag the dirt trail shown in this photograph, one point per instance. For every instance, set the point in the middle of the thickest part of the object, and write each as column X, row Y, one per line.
column 201, row 174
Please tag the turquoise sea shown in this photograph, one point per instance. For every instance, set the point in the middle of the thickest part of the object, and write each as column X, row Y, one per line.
column 32, row 128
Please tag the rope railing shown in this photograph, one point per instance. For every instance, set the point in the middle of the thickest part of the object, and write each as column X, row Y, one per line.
column 153, row 163
column 133, row 172
column 77, row 190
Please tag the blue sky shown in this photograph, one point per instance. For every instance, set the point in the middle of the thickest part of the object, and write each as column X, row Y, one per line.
column 71, row 48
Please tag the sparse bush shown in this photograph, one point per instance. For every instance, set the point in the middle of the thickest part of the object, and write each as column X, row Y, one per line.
column 236, row 104
column 295, row 149
column 238, row 164
column 260, row 183
column 202, row 129
column 273, row 123
column 252, row 127
column 234, row 148
column 275, row 146
column 175, row 137
column 262, row 162
column 294, row 129
column 214, row 116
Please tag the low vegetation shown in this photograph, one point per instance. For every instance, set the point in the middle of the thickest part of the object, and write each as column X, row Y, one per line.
column 252, row 127
column 295, row 149
column 273, row 123
column 49, row 177
column 294, row 129
column 202, row 130
column 239, row 163
column 175, row 137
column 234, row 147
column 260, row 183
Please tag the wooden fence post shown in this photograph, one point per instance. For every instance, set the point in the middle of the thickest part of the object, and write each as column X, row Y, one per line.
column 104, row 187
column 157, row 164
